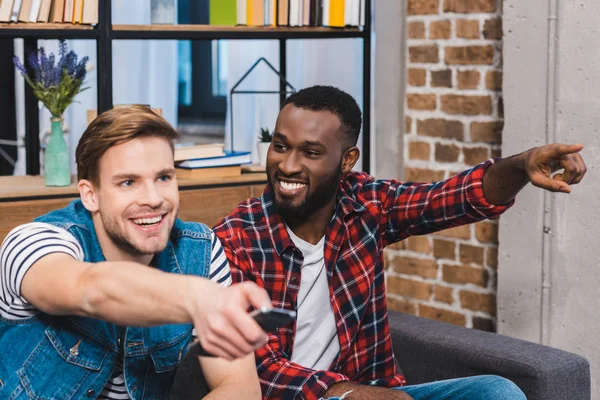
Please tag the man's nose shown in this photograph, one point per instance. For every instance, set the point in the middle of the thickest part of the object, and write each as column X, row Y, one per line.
column 151, row 196
column 290, row 165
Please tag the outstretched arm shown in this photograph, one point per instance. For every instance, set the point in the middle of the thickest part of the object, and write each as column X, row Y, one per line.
column 503, row 180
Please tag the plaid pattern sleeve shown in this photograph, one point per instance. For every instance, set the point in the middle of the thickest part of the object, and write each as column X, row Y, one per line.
column 410, row 208
column 369, row 214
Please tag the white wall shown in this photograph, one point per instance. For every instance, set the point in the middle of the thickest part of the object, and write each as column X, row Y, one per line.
column 549, row 283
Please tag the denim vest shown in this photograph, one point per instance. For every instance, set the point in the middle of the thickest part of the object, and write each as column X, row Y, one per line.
column 65, row 357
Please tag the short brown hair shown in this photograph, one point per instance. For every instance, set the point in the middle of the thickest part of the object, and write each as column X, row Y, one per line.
column 114, row 127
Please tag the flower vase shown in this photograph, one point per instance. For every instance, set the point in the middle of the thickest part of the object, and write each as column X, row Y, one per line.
column 57, row 169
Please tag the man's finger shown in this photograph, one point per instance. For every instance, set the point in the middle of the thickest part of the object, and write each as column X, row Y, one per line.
column 571, row 169
column 553, row 185
column 557, row 150
column 582, row 168
column 255, row 296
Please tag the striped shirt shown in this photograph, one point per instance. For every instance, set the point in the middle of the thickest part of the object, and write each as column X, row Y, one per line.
column 28, row 243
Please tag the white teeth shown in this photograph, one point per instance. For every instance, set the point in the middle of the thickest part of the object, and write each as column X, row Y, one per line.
column 291, row 186
column 148, row 221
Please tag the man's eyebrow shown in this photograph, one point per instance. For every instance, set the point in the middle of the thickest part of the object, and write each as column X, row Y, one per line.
column 314, row 143
column 166, row 171
column 124, row 177
column 280, row 136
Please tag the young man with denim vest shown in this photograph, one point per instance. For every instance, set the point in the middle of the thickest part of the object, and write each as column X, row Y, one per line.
column 315, row 241
column 99, row 299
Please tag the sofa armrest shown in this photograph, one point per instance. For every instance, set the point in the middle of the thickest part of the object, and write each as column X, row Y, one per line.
column 428, row 350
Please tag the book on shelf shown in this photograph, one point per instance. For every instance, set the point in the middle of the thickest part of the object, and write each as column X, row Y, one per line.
column 191, row 151
column 90, row 12
column 209, row 172
column 230, row 158
column 24, row 11
column 14, row 15
column 34, row 11
column 77, row 11
column 283, row 12
column 68, row 11
column 57, row 11
column 222, row 12
column 44, row 14
column 6, row 10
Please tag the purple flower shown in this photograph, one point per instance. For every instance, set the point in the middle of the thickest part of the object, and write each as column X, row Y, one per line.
column 19, row 66
column 34, row 63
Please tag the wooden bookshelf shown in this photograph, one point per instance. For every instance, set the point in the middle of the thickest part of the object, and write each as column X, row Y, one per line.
column 44, row 30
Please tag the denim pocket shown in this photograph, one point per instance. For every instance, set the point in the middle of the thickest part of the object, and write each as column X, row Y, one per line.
column 168, row 357
column 60, row 364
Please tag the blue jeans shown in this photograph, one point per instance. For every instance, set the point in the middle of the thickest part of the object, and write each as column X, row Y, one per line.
column 483, row 387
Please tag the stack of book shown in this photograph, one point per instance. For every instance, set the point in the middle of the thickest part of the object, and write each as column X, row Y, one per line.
column 330, row 13
column 202, row 161
column 56, row 11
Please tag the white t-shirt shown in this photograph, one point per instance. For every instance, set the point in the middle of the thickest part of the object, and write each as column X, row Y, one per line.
column 28, row 243
column 316, row 344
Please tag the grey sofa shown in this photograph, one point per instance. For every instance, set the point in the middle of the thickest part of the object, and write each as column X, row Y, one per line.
column 427, row 351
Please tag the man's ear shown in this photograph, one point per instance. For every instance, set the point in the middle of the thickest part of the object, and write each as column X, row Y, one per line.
column 349, row 159
column 88, row 195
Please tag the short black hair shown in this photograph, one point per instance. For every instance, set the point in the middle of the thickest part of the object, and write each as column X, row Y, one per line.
column 332, row 99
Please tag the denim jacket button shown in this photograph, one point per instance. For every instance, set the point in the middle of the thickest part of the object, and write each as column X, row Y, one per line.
column 119, row 342
column 90, row 393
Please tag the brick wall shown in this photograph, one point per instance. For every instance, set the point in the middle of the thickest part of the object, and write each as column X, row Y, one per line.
column 454, row 120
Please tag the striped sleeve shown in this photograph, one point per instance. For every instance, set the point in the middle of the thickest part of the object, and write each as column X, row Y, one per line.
column 22, row 248
column 219, row 267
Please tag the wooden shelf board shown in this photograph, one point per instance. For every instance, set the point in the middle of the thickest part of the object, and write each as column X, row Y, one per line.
column 227, row 28
column 44, row 26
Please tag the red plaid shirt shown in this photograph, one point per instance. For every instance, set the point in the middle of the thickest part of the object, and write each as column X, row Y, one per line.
column 369, row 215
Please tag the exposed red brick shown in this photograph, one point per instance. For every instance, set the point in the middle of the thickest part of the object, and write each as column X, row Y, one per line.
column 401, row 306
column 470, row 6
column 466, row 105
column 414, row 266
column 443, row 294
column 409, row 288
column 446, row 152
column 467, row 29
column 475, row 155
column 442, row 315
column 440, row 29
column 444, row 249
column 438, row 127
column 416, row 76
column 470, row 55
column 461, row 274
column 493, row 80
column 488, row 132
column 441, row 78
column 424, row 54
column 416, row 30
column 468, row 79
column 422, row 7
column 417, row 101
column 419, row 151
column 469, row 254
column 485, row 302
column 492, row 29
column 422, row 175
column 486, row 232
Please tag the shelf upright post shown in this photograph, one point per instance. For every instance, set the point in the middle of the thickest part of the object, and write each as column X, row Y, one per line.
column 104, row 57
column 366, row 131
column 32, row 119
column 282, row 70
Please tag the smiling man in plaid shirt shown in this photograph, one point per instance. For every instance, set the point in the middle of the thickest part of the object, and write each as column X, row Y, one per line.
column 315, row 239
